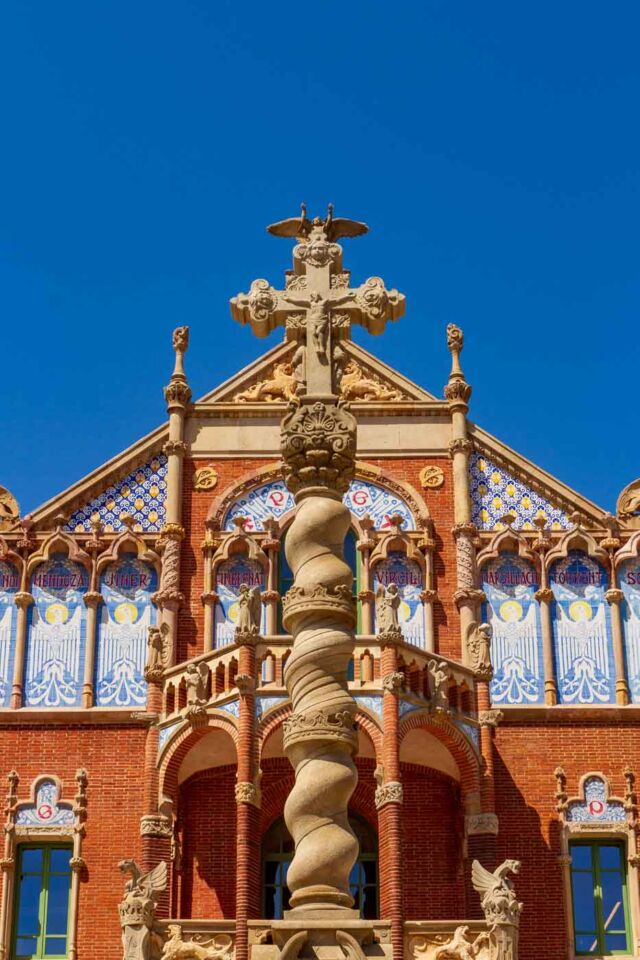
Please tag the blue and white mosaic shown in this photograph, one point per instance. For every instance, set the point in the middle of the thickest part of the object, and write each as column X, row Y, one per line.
column 274, row 500
column 231, row 706
column 46, row 811
column 141, row 495
column 370, row 703
column 405, row 706
column 264, row 704
column 582, row 631
column 407, row 575
column 56, row 636
column 509, row 583
column 9, row 586
column 495, row 492
column 629, row 575
column 471, row 732
column 595, row 805
column 125, row 617
column 165, row 734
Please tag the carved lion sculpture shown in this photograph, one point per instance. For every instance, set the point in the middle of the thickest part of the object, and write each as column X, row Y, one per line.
column 356, row 386
column 281, row 385
column 218, row 948
column 458, row 947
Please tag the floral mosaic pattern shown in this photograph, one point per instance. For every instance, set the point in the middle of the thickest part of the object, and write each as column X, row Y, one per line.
column 495, row 492
column 141, row 494
column 595, row 805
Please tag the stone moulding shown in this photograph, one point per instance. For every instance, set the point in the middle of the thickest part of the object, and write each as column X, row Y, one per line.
column 321, row 726
column 318, row 600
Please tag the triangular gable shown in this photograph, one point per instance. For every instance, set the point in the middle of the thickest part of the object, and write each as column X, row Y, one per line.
column 504, row 482
column 270, row 379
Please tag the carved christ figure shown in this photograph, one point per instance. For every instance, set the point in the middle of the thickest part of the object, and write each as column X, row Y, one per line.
column 387, row 603
column 249, row 610
column 318, row 317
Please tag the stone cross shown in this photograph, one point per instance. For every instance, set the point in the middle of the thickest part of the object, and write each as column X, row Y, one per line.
column 317, row 306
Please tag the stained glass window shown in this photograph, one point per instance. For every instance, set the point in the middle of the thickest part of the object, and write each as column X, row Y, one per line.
column 599, row 892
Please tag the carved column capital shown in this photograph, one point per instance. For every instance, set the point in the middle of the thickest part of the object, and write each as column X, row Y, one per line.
column 614, row 596
column 77, row 864
column 390, row 792
column 245, row 684
column 156, row 825
column 477, row 824
column 92, row 598
column 178, row 447
column 23, row 600
column 457, row 393
column 468, row 596
column 247, row 793
column 544, row 595
column 208, row 599
column 490, row 718
column 172, row 531
column 7, row 864
column 390, row 638
column 393, row 682
column 459, row 445
column 177, row 393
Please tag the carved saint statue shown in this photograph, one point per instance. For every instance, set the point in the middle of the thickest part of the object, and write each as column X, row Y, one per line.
column 196, row 682
column 479, row 645
column 157, row 654
column 440, row 676
column 249, row 611
column 387, row 603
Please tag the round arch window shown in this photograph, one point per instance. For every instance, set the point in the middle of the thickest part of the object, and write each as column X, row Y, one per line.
column 277, row 854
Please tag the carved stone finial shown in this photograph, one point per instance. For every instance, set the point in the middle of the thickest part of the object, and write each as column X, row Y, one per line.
column 9, row 510
column 457, row 390
column 177, row 392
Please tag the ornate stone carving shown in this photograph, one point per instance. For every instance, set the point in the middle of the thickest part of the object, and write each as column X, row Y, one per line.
column 249, row 612
column 544, row 595
column 387, row 603
column 457, row 947
column 490, row 718
column 440, row 683
column 455, row 338
column 479, row 647
column 205, row 478
column 177, row 393
column 457, row 392
column 355, row 384
column 158, row 653
column 318, row 446
column 180, row 339
column 390, row 792
column 498, row 897
column 279, row 385
column 247, row 793
column 156, row 825
column 9, row 510
column 219, row 947
column 431, row 477
column 137, row 910
column 393, row 682
column 172, row 447
column 629, row 500
column 321, row 726
column 195, row 678
column 459, row 445
column 169, row 542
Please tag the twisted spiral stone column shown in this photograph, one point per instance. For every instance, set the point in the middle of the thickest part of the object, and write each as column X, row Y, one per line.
column 320, row 737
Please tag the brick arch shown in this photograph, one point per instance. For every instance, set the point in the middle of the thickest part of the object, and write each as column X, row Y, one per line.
column 453, row 739
column 178, row 748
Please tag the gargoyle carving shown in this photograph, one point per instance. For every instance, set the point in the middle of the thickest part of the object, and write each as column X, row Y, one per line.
column 137, row 910
column 497, row 895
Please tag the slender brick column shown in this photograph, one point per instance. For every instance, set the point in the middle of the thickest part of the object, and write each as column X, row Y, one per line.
column 247, row 799
column 389, row 803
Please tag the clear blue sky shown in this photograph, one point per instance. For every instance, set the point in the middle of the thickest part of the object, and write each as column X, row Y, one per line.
column 492, row 147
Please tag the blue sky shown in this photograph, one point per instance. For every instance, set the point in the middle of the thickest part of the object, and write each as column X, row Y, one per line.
column 492, row 148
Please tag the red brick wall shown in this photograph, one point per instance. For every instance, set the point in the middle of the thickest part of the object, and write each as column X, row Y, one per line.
column 526, row 756
column 112, row 757
column 433, row 877
column 208, row 821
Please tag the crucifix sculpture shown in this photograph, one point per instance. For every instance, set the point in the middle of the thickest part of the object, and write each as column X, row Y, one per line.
column 318, row 443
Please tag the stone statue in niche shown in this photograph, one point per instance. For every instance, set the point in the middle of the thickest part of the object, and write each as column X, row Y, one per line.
column 157, row 653
column 249, row 611
column 387, row 603
column 479, row 646
column 440, row 677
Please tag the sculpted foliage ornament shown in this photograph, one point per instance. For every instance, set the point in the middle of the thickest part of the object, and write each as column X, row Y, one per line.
column 205, row 478
column 318, row 446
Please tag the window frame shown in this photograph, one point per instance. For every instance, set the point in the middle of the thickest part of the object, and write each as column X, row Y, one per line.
column 594, row 844
column 45, row 875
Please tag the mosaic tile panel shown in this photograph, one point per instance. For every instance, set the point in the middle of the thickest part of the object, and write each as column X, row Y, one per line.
column 495, row 492
column 595, row 805
column 45, row 812
column 629, row 575
column 273, row 499
column 9, row 586
column 140, row 494
column 373, row 703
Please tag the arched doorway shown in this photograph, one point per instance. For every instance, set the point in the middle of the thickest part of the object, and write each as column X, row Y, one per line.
column 277, row 854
